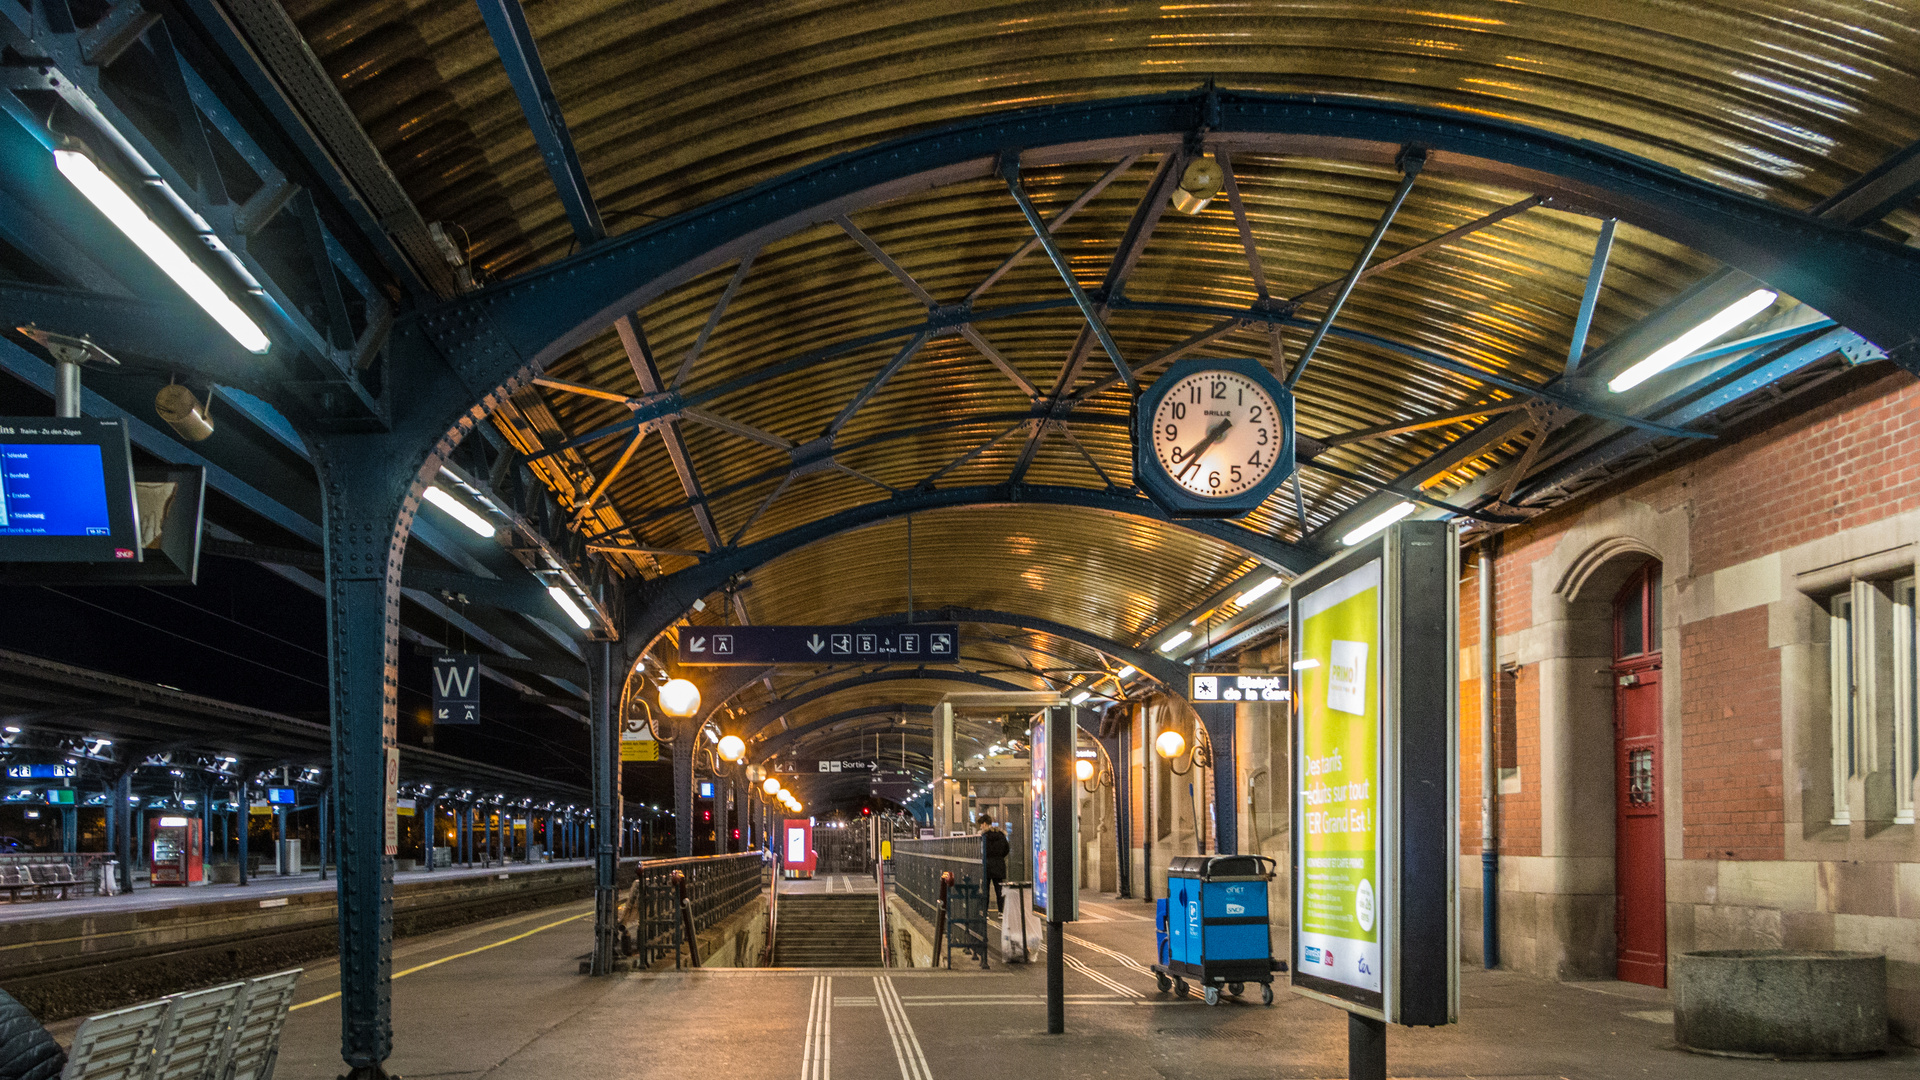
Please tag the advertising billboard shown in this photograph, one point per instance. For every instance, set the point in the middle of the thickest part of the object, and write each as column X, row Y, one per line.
column 1375, row 839
column 1338, row 797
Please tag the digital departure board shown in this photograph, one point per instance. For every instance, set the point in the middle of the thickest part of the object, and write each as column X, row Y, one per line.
column 66, row 491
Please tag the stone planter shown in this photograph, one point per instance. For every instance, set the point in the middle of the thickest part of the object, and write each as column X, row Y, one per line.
column 1780, row 1003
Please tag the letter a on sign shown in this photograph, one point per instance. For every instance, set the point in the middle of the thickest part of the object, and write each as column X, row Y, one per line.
column 456, row 690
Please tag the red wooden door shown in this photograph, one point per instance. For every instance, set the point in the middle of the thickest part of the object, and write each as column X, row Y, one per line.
column 1640, row 867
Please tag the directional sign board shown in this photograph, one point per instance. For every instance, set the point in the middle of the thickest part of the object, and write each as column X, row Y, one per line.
column 849, row 766
column 1233, row 686
column 755, row 645
column 456, row 689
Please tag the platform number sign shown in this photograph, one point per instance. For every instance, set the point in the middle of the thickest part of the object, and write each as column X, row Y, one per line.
column 456, row 690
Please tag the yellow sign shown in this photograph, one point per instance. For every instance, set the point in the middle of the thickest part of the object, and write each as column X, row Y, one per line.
column 639, row 750
column 886, row 851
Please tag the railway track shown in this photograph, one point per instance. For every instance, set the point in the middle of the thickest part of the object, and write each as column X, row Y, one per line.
column 75, row 965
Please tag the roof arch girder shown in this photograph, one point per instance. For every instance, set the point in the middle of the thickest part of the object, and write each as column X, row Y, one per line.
column 1170, row 674
column 1867, row 283
column 661, row 601
column 889, row 710
column 759, row 719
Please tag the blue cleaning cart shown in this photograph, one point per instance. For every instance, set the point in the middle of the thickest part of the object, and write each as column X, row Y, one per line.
column 1212, row 927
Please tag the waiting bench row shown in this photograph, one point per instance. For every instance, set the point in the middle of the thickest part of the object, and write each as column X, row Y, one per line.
column 229, row 1032
column 39, row 877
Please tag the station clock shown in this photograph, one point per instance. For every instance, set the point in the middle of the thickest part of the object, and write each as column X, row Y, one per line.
column 1213, row 437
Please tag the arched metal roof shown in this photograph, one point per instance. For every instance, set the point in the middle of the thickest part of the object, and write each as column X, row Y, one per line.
column 847, row 326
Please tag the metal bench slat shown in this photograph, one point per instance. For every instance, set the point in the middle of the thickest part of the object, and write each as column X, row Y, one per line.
column 117, row 1045
column 193, row 1042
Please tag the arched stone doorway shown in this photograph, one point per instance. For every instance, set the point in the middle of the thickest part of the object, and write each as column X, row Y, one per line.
column 1640, row 874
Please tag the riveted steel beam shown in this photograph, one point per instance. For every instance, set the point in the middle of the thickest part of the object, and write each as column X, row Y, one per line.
column 507, row 24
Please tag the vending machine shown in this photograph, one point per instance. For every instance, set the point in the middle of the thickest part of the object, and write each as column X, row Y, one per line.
column 179, row 851
column 796, row 848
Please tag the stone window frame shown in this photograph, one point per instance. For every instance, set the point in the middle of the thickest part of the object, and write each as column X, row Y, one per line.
column 1906, row 710
column 1871, row 706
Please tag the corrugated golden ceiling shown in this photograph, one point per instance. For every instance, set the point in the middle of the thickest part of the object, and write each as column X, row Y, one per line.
column 672, row 105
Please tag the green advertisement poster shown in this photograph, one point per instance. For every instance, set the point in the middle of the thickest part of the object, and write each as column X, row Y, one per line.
column 1340, row 896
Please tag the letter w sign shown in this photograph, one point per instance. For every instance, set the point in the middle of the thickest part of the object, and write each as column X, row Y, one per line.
column 456, row 690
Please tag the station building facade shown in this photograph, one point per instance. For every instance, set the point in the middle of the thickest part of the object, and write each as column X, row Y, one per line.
column 1708, row 733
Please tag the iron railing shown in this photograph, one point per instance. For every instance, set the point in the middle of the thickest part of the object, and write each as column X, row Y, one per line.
column 917, row 866
column 716, row 887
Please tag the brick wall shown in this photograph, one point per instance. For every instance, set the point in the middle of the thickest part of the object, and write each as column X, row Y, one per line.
column 1732, row 798
column 1519, row 815
column 1846, row 463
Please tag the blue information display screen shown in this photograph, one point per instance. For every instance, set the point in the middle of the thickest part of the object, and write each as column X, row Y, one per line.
column 53, row 489
column 66, row 491
column 280, row 796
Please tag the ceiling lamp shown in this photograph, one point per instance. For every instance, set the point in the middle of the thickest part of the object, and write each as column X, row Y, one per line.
column 1198, row 185
column 78, row 166
column 732, row 747
column 1679, row 348
column 1175, row 641
column 457, row 510
column 567, row 605
column 1256, row 592
column 1377, row 523
column 771, row 787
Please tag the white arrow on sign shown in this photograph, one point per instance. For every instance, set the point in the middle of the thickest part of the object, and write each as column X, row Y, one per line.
column 699, row 645
column 816, row 643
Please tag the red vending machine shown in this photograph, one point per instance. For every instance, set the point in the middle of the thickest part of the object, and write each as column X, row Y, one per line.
column 796, row 847
column 179, row 852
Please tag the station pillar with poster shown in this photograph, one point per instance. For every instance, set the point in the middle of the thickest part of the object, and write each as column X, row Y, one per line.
column 796, row 847
column 179, row 851
column 1056, row 839
column 1375, row 835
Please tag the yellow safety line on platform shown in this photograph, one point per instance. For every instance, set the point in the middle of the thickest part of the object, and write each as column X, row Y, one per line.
column 456, row 956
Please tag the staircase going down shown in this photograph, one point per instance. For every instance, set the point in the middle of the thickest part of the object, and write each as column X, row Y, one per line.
column 828, row 931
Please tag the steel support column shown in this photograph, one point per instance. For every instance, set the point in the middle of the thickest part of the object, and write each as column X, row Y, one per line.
column 365, row 523
column 1219, row 719
column 603, row 669
column 683, row 791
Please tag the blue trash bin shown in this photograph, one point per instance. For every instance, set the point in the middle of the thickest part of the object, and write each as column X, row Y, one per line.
column 1213, row 926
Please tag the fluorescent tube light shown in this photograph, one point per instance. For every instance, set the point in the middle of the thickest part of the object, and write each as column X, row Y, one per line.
column 1380, row 522
column 1079, row 697
column 458, row 510
column 1257, row 592
column 1125, row 672
column 1175, row 641
column 567, row 605
column 119, row 208
column 1679, row 348
column 1303, row 665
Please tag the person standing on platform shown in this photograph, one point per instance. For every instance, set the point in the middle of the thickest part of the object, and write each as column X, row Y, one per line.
column 993, row 859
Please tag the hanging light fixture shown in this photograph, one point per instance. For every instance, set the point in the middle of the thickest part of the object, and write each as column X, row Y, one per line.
column 679, row 698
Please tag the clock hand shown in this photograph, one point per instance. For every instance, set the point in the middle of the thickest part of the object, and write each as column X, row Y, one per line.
column 1193, row 455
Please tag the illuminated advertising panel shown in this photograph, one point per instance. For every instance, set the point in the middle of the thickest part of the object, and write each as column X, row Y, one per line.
column 1375, row 836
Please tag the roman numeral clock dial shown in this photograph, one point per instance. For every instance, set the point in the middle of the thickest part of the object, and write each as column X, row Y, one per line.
column 1213, row 437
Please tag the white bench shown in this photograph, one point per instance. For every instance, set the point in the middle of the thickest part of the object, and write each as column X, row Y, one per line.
column 229, row 1032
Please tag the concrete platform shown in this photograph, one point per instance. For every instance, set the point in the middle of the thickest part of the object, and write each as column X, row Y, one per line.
column 502, row 1000
column 264, row 886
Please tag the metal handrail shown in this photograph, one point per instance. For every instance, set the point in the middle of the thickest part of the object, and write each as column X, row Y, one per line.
column 945, row 912
column 773, row 917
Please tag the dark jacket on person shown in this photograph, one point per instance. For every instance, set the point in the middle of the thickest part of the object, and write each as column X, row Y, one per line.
column 993, row 853
column 27, row 1052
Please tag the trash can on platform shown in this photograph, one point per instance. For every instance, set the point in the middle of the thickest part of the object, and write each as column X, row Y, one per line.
column 1213, row 927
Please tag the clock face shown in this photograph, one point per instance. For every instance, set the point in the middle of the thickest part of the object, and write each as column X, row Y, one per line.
column 1217, row 433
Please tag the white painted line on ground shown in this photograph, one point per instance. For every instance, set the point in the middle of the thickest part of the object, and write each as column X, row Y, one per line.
column 906, row 1044
column 816, row 1058
column 1117, row 987
column 1104, row 951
